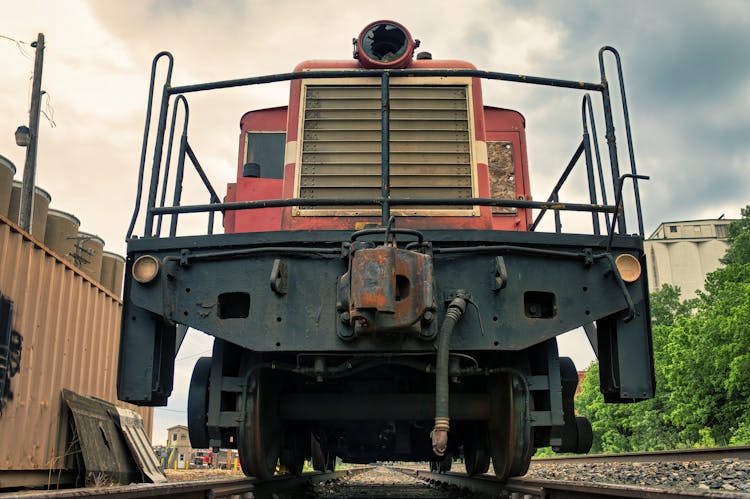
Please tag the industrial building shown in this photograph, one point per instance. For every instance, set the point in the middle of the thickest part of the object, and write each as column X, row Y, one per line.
column 683, row 253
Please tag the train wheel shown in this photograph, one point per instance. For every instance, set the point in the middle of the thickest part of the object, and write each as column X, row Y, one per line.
column 476, row 450
column 318, row 458
column 331, row 461
column 296, row 449
column 323, row 459
column 443, row 465
column 197, row 405
column 260, row 432
column 585, row 435
column 511, row 442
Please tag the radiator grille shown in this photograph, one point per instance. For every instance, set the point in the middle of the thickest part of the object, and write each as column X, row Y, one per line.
column 430, row 144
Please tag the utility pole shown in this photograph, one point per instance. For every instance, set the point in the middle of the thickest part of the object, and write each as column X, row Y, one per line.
column 29, row 171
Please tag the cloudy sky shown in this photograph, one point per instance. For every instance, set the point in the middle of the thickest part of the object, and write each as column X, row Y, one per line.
column 685, row 62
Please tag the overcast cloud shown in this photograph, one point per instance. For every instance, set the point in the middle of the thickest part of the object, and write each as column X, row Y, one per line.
column 685, row 64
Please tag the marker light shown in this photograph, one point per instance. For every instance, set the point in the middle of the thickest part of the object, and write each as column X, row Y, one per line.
column 145, row 269
column 629, row 267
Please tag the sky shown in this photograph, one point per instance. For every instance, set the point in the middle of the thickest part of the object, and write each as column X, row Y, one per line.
column 685, row 66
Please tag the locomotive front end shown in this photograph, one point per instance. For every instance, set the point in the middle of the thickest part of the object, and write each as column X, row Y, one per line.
column 382, row 290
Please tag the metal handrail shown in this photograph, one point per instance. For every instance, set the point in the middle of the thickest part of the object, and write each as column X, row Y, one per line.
column 394, row 73
column 280, row 203
column 146, row 129
column 586, row 141
column 618, row 202
column 385, row 202
column 553, row 197
column 183, row 100
column 587, row 104
column 628, row 135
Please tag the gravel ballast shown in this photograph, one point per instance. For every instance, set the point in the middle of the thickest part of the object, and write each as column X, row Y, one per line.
column 726, row 474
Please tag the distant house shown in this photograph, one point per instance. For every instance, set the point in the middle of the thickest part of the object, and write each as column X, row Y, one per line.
column 683, row 253
column 179, row 450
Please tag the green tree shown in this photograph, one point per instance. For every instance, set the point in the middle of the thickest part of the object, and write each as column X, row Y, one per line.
column 702, row 362
column 739, row 239
column 643, row 426
column 708, row 361
column 666, row 305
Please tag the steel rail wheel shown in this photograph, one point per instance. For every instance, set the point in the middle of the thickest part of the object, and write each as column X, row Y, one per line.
column 296, row 449
column 511, row 443
column 443, row 464
column 476, row 449
column 260, row 431
column 197, row 404
column 322, row 458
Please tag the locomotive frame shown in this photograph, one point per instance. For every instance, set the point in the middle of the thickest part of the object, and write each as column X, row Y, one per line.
column 394, row 337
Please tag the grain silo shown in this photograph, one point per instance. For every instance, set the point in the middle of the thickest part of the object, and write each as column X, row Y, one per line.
column 89, row 250
column 42, row 200
column 113, row 268
column 62, row 233
column 7, row 171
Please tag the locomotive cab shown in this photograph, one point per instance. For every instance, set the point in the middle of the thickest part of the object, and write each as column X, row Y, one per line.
column 381, row 290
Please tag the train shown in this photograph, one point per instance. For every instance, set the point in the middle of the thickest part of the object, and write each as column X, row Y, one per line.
column 383, row 289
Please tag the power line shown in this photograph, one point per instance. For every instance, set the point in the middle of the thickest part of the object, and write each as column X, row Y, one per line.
column 20, row 47
column 49, row 111
column 170, row 410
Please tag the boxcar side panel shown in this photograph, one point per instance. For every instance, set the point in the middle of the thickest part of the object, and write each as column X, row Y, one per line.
column 67, row 327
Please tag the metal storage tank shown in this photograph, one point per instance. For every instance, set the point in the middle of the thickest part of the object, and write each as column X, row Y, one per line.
column 7, row 171
column 42, row 200
column 61, row 233
column 66, row 334
column 89, row 250
column 113, row 268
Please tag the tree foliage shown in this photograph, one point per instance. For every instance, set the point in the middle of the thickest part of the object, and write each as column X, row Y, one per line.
column 666, row 306
column 702, row 362
column 739, row 239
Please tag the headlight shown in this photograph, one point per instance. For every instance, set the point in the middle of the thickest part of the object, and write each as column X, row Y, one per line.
column 385, row 44
column 145, row 269
column 629, row 267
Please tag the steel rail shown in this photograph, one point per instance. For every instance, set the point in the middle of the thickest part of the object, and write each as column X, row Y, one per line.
column 212, row 488
column 558, row 489
column 204, row 488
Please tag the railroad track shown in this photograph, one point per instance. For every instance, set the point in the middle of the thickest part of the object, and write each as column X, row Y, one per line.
column 383, row 482
column 278, row 487
column 711, row 454
column 576, row 486
column 525, row 488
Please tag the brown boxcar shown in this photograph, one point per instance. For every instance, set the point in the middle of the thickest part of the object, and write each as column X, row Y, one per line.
column 65, row 334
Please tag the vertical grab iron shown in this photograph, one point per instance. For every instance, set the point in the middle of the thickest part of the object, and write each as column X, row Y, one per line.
column 146, row 129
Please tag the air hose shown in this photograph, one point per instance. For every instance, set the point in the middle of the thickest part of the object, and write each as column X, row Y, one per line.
column 439, row 433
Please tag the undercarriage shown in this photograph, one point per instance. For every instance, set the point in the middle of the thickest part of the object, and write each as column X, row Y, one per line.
column 379, row 407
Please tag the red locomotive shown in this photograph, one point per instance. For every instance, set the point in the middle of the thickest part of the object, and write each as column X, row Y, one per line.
column 382, row 290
